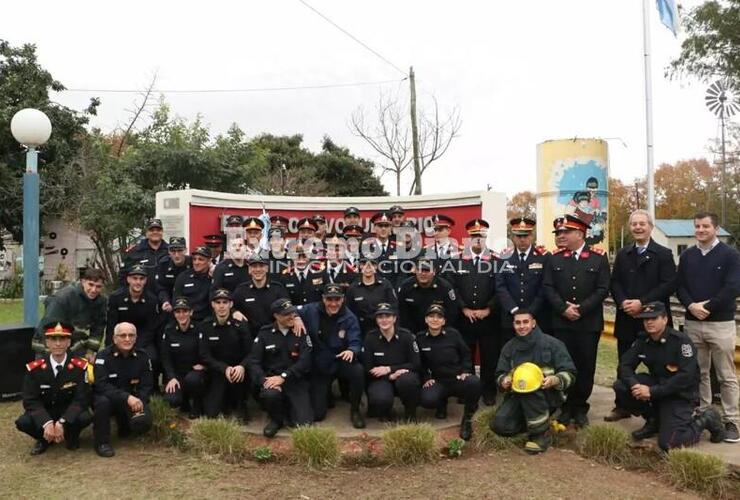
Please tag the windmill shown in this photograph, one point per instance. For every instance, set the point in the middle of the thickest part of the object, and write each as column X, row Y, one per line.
column 723, row 99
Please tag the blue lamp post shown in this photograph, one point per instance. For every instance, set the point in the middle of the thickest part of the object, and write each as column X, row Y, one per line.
column 31, row 128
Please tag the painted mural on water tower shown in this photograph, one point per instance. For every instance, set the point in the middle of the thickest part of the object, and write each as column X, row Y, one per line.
column 572, row 178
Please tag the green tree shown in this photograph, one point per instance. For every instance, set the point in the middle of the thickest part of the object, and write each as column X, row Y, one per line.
column 711, row 48
column 24, row 83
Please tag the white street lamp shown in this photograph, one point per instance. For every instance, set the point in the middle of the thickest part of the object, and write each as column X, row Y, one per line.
column 31, row 128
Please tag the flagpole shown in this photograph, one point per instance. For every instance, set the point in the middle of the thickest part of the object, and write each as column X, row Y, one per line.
column 648, row 107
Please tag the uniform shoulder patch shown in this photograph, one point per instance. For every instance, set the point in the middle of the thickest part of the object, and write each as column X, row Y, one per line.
column 308, row 340
column 33, row 365
column 540, row 250
column 597, row 251
column 451, row 294
column 558, row 250
column 686, row 350
column 79, row 363
column 415, row 346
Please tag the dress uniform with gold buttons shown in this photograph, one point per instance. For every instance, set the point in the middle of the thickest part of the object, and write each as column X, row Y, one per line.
column 444, row 250
column 519, row 281
column 55, row 391
column 578, row 276
column 474, row 282
column 304, row 279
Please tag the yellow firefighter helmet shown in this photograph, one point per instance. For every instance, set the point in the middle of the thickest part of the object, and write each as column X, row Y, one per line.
column 526, row 377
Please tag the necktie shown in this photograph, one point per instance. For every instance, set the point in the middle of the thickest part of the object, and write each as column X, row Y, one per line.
column 522, row 256
column 641, row 250
column 333, row 275
column 476, row 260
column 58, row 369
column 575, row 255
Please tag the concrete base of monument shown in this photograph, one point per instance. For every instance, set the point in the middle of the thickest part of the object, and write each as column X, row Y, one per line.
column 338, row 419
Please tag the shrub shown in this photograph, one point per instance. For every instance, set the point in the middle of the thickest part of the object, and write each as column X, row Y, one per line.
column 455, row 448
column 166, row 427
column 410, row 444
column 485, row 438
column 605, row 444
column 698, row 471
column 316, row 446
column 219, row 437
column 263, row 454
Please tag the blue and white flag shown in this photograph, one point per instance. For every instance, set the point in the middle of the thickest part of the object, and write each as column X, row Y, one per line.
column 668, row 14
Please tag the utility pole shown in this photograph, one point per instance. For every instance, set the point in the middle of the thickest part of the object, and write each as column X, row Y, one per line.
column 415, row 133
column 723, row 221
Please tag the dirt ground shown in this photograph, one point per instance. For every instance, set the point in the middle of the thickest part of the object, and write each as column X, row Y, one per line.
column 143, row 470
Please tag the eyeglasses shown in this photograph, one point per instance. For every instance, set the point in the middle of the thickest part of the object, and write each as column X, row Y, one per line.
column 125, row 335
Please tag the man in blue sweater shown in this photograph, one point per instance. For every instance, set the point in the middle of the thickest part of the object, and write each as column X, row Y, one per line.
column 708, row 284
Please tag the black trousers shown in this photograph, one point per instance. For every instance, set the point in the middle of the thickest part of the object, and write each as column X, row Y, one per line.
column 192, row 386
column 676, row 427
column 291, row 401
column 72, row 429
column 222, row 396
column 583, row 348
column 519, row 413
column 381, row 392
column 624, row 342
column 436, row 395
column 128, row 422
column 352, row 374
column 486, row 335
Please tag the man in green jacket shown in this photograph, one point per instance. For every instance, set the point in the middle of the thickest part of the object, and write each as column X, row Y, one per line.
column 531, row 398
column 82, row 306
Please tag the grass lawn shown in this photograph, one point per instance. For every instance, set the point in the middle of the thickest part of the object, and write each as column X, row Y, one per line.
column 12, row 312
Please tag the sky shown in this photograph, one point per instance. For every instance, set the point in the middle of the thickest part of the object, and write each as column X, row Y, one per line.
column 519, row 72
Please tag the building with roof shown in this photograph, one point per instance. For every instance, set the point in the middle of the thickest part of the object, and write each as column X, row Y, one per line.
column 678, row 234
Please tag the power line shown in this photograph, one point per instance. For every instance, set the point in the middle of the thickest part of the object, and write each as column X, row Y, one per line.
column 352, row 37
column 226, row 91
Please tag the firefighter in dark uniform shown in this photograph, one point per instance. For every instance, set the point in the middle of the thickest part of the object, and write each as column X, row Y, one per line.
column 398, row 215
column 183, row 371
column 534, row 370
column 304, row 279
column 234, row 270
column 474, row 283
column 56, row 396
column 169, row 269
column 253, row 227
column 215, row 243
column 280, row 222
column 364, row 295
column 416, row 294
column 224, row 345
column 148, row 252
column 337, row 344
column 519, row 279
column 576, row 283
column 643, row 272
column 195, row 285
column 279, row 367
column 352, row 217
column 122, row 387
column 253, row 299
column 321, row 227
column 447, row 370
column 409, row 245
column 136, row 305
column 392, row 367
column 382, row 246
column 338, row 270
column 353, row 237
column 444, row 250
column 277, row 253
column 307, row 228
column 667, row 395
column 81, row 305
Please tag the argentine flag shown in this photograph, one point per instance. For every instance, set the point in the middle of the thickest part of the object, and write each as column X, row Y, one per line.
column 668, row 14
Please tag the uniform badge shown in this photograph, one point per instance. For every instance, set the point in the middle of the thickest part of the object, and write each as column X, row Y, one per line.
column 415, row 346
column 317, row 281
column 69, row 384
column 341, row 334
column 134, row 381
column 535, row 265
column 308, row 341
column 671, row 367
column 451, row 294
column 686, row 350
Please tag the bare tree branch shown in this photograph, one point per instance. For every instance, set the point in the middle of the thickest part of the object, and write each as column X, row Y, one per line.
column 140, row 107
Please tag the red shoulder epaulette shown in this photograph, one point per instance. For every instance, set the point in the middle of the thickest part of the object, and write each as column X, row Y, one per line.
column 349, row 268
column 287, row 270
column 79, row 363
column 558, row 250
column 540, row 250
column 318, row 265
column 39, row 363
column 597, row 251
